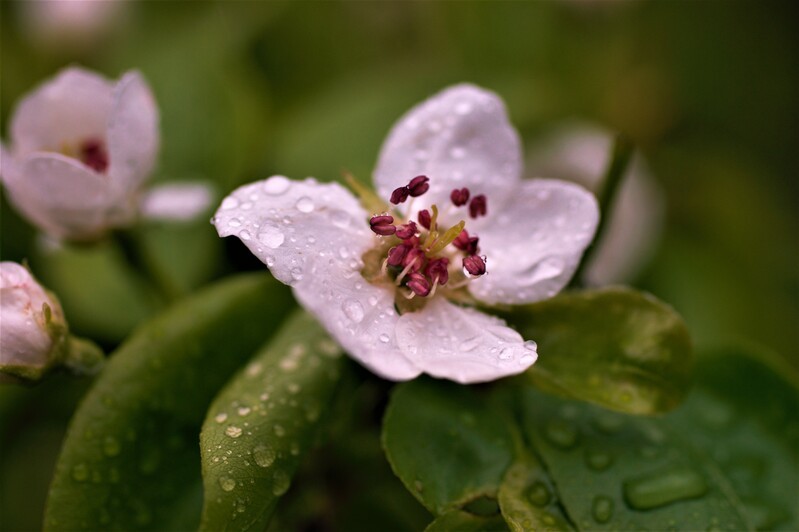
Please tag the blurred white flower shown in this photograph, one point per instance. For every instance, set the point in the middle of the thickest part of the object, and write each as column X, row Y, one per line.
column 178, row 202
column 32, row 326
column 81, row 146
column 390, row 285
column 580, row 153
column 70, row 24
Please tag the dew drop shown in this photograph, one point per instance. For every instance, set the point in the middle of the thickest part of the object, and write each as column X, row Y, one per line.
column 457, row 152
column 340, row 218
column 538, row 494
column 531, row 345
column 602, row 508
column 271, row 236
column 234, row 222
column 244, row 410
column 384, row 338
column 80, row 473
column 353, row 310
column 608, row 423
column 229, row 203
column 463, row 108
column 264, row 456
column 296, row 274
column 470, row 344
column 506, row 353
column 561, row 433
column 233, row 431
column 227, row 483
column 280, row 483
column 277, row 185
column 664, row 487
column 305, row 205
column 598, row 460
column 111, row 446
column 526, row 360
column 279, row 431
column 245, row 235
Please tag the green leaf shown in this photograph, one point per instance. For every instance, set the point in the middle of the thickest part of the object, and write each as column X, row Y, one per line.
column 130, row 455
column 745, row 414
column 446, row 443
column 620, row 472
column 466, row 522
column 616, row 347
column 527, row 498
column 263, row 422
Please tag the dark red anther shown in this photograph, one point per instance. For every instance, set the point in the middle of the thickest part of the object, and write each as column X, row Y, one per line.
column 418, row 185
column 424, row 218
column 399, row 195
column 436, row 270
column 419, row 284
column 414, row 260
column 397, row 254
column 382, row 225
column 478, row 206
column 466, row 243
column 407, row 231
column 459, row 197
column 94, row 155
column 475, row 265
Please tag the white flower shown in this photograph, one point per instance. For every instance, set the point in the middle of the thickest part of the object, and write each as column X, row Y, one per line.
column 81, row 148
column 580, row 152
column 32, row 326
column 70, row 24
column 393, row 292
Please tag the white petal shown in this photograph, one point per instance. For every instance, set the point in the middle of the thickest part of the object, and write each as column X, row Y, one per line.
column 534, row 243
column 61, row 196
column 461, row 137
column 579, row 152
column 462, row 344
column 177, row 201
column 132, row 132
column 312, row 236
column 71, row 107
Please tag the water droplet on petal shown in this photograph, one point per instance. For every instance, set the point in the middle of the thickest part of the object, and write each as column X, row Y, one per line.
column 463, row 108
column 457, row 152
column 234, row 222
column 353, row 310
column 277, row 185
column 245, row 235
column 305, row 204
column 296, row 274
column 271, row 236
column 229, row 203
column 384, row 338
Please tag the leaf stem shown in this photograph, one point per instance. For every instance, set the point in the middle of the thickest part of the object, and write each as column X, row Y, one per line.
column 622, row 152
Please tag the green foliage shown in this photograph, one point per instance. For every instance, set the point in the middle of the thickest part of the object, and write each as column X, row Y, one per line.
column 466, row 522
column 616, row 347
column 447, row 445
column 130, row 456
column 262, row 424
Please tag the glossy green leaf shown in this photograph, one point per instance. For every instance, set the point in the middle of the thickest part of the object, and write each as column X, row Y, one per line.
column 616, row 472
column 262, row 423
column 130, row 457
column 458, row 520
column 527, row 498
column 446, row 442
column 745, row 415
column 616, row 347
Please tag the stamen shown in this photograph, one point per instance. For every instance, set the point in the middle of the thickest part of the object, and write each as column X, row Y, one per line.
column 382, row 225
column 459, row 197
column 399, row 195
column 396, row 255
column 466, row 243
column 419, row 284
column 478, row 206
column 434, row 218
column 407, row 230
column 447, row 238
column 436, row 270
column 424, row 218
column 475, row 265
column 418, row 185
column 413, row 261
column 94, row 155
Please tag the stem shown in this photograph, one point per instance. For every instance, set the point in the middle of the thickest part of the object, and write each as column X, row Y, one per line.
column 623, row 150
column 141, row 261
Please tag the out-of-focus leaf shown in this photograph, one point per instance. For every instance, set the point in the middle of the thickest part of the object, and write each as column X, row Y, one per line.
column 616, row 472
column 466, row 522
column 446, row 443
column 527, row 498
column 130, row 457
column 745, row 415
column 616, row 347
column 102, row 296
column 263, row 422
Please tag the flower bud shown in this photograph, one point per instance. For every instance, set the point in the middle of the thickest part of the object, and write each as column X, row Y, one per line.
column 33, row 329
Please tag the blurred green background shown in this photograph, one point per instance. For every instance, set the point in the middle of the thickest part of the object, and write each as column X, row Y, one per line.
column 707, row 89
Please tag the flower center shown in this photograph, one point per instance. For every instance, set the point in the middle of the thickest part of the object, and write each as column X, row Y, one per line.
column 420, row 258
column 90, row 151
